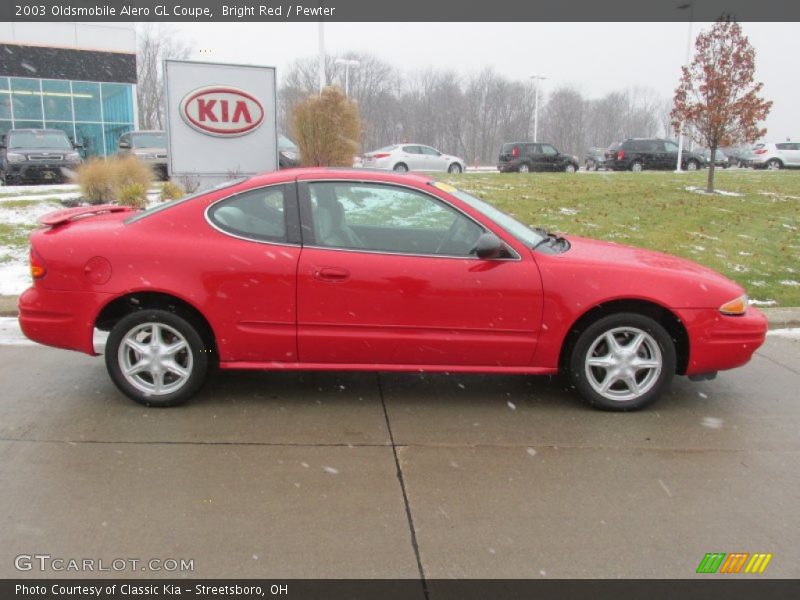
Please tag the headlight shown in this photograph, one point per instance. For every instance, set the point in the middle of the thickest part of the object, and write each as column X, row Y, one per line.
column 144, row 155
column 14, row 157
column 289, row 154
column 73, row 156
column 737, row 306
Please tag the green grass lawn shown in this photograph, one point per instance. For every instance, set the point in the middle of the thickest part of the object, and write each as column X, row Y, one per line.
column 753, row 238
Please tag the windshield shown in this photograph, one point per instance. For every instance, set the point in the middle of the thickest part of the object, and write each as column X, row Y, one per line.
column 149, row 140
column 38, row 139
column 523, row 233
column 284, row 144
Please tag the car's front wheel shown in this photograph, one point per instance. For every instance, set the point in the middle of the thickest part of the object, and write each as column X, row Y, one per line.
column 157, row 358
column 637, row 166
column 692, row 165
column 454, row 168
column 524, row 168
column 622, row 362
column 570, row 168
column 774, row 164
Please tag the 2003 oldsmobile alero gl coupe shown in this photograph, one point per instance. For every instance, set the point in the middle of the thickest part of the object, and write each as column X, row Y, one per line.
column 357, row 270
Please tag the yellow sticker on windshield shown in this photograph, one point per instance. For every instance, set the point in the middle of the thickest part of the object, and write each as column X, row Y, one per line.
column 445, row 187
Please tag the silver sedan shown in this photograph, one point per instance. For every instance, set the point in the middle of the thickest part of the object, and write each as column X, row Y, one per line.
column 412, row 157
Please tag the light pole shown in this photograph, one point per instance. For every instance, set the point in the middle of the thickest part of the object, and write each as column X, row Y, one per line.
column 690, row 6
column 537, row 79
column 347, row 62
column 321, row 36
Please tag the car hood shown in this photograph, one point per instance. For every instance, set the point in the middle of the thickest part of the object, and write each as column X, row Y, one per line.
column 642, row 269
column 41, row 150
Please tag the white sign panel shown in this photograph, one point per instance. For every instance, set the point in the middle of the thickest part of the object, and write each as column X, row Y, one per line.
column 221, row 121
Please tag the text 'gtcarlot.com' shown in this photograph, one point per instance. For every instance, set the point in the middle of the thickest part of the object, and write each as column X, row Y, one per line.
column 46, row 562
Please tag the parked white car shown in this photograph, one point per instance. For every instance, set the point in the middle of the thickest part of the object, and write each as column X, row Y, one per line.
column 775, row 155
column 412, row 157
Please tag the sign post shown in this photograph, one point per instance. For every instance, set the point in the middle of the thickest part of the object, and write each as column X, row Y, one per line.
column 221, row 122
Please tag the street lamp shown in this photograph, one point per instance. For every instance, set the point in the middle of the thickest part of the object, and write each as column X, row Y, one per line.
column 537, row 79
column 347, row 62
column 684, row 6
column 321, row 36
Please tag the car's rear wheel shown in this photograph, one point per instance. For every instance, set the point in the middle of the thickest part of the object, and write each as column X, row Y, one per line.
column 622, row 362
column 637, row 166
column 774, row 164
column 157, row 358
column 454, row 168
column 524, row 168
column 570, row 168
column 401, row 168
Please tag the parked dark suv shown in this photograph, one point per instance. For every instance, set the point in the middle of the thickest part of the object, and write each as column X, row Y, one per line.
column 638, row 154
column 524, row 157
column 36, row 155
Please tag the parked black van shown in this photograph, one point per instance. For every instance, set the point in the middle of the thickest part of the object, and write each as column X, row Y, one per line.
column 638, row 154
column 524, row 157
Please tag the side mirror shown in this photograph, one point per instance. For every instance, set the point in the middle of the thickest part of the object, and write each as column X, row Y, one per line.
column 124, row 146
column 77, row 146
column 489, row 246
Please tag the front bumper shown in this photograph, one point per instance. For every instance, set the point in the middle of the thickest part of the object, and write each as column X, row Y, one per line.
column 59, row 318
column 718, row 342
column 39, row 171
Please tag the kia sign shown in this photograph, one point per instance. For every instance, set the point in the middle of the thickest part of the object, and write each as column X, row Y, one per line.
column 222, row 111
column 221, row 121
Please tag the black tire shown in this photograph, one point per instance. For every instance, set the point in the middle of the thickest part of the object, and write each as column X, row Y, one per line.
column 400, row 168
column 774, row 164
column 524, row 168
column 692, row 165
column 637, row 166
column 570, row 168
column 589, row 337
column 455, row 168
column 200, row 357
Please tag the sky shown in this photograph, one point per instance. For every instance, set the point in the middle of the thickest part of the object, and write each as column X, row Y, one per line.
column 594, row 57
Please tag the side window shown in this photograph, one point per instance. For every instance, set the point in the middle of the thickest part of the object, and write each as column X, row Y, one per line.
column 549, row 150
column 412, row 150
column 429, row 151
column 257, row 214
column 671, row 147
column 533, row 149
column 783, row 146
column 385, row 218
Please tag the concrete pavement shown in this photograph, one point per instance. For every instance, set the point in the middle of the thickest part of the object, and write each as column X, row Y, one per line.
column 296, row 474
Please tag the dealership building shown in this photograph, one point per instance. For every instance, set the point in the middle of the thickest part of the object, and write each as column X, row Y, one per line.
column 78, row 77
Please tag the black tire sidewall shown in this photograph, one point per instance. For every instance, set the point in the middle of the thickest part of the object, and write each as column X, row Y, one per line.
column 593, row 331
column 199, row 350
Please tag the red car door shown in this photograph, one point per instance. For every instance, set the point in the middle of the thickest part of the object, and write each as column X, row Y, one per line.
column 387, row 276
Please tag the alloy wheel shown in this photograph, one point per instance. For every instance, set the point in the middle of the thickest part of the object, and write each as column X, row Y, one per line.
column 155, row 358
column 623, row 363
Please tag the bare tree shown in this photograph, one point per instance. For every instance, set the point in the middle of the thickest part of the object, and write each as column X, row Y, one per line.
column 155, row 43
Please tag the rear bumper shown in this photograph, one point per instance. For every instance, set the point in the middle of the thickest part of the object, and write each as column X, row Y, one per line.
column 718, row 342
column 60, row 319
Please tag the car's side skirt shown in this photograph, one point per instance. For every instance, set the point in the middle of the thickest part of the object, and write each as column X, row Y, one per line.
column 299, row 366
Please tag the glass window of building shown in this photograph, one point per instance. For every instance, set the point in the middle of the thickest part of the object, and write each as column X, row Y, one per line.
column 26, row 99
column 57, row 100
column 86, row 99
column 5, row 99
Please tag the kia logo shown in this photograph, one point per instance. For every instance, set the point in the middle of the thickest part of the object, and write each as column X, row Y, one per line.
column 222, row 111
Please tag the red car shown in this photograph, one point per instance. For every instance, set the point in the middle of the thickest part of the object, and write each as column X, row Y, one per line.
column 358, row 270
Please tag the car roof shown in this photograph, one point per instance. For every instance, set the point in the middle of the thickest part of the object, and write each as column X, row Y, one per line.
column 344, row 173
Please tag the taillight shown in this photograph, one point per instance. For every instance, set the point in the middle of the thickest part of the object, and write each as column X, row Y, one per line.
column 380, row 155
column 620, row 155
column 38, row 268
column 762, row 151
column 515, row 151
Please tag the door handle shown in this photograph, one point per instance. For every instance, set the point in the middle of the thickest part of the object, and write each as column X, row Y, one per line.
column 331, row 274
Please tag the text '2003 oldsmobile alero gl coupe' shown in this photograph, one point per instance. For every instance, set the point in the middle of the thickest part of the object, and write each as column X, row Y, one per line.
column 358, row 270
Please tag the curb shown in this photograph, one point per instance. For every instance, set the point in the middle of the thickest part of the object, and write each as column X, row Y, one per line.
column 778, row 318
